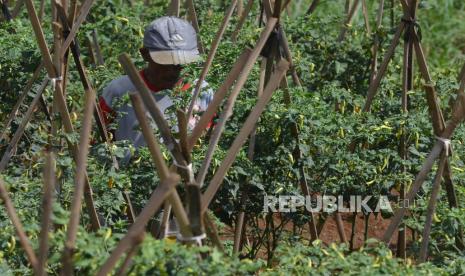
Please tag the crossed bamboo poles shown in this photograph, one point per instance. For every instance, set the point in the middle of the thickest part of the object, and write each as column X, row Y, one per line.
column 412, row 44
column 239, row 72
column 166, row 189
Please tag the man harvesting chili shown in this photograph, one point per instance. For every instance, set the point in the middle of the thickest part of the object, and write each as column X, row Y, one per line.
column 169, row 43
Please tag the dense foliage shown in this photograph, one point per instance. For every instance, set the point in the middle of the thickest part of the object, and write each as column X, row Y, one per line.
column 326, row 110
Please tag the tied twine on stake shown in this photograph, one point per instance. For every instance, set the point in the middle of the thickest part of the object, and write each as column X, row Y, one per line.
column 412, row 27
column 53, row 81
column 197, row 239
column 447, row 145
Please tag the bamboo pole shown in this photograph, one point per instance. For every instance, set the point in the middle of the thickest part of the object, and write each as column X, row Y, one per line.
column 373, row 88
column 312, row 7
column 431, row 208
column 17, row 8
column 22, row 127
column 231, row 100
column 218, row 98
column 47, row 202
column 366, row 16
column 376, row 44
column 211, row 56
column 242, row 19
column 348, row 20
column 162, row 169
column 195, row 23
column 81, row 163
column 174, row 8
column 457, row 117
column 245, row 131
column 137, row 228
column 13, row 215
column 5, row 10
column 98, row 51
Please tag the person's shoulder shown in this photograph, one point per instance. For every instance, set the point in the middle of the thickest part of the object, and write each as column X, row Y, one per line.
column 121, row 85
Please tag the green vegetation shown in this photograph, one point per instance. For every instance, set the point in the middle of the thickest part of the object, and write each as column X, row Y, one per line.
column 335, row 79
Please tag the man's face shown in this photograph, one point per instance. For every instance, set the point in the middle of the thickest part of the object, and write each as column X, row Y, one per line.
column 165, row 75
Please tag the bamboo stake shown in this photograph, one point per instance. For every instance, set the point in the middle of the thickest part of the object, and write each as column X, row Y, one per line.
column 366, row 17
column 211, row 56
column 17, row 8
column 348, row 20
column 231, row 100
column 137, row 228
column 174, row 8
column 285, row 45
column 162, row 169
column 19, row 102
column 81, row 163
column 431, row 208
column 245, row 131
column 218, row 98
column 373, row 88
column 376, row 44
column 312, row 7
column 98, row 52
column 22, row 127
column 242, row 19
column 5, row 10
column 41, row 10
column 457, row 117
column 195, row 23
column 13, row 215
column 47, row 202
column 250, row 155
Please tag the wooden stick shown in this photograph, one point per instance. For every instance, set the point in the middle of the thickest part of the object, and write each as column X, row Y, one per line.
column 373, row 88
column 19, row 102
column 98, row 52
column 174, row 8
column 137, row 228
column 285, row 45
column 232, row 99
column 366, row 17
column 47, row 202
column 41, row 10
column 162, row 169
column 376, row 44
column 242, row 19
column 212, row 232
column 211, row 56
column 348, row 20
column 457, row 117
column 248, row 126
column 17, row 8
column 128, row 259
column 13, row 215
column 47, row 59
column 250, row 155
column 312, row 7
column 195, row 23
column 6, row 11
column 81, row 163
column 22, row 127
column 431, row 208
column 218, row 97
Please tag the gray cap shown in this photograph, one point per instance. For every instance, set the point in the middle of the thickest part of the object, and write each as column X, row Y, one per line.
column 171, row 40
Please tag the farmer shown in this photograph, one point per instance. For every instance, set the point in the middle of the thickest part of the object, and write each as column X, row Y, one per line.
column 169, row 43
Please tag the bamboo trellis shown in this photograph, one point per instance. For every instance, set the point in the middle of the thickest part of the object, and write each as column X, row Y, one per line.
column 191, row 213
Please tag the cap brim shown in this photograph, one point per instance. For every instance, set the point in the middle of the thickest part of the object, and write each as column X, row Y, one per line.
column 175, row 57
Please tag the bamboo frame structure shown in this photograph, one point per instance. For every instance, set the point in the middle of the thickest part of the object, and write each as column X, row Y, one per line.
column 191, row 213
